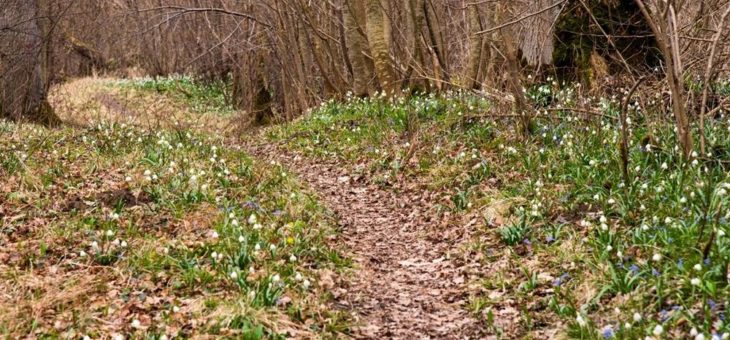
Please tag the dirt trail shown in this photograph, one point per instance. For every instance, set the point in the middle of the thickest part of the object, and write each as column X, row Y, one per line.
column 404, row 286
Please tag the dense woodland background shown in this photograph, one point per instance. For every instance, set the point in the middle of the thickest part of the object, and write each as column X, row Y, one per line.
column 282, row 57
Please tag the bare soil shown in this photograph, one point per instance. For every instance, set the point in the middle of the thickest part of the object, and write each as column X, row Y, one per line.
column 405, row 285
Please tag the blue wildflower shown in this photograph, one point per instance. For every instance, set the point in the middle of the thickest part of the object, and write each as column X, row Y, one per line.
column 655, row 272
column 680, row 264
column 634, row 269
column 608, row 332
column 559, row 281
column 664, row 315
column 712, row 304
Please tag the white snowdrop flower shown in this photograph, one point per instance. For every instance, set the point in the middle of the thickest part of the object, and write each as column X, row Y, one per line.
column 82, row 253
column 609, row 247
column 637, row 168
column 234, row 275
column 722, row 192
column 214, row 255
column 298, row 276
column 693, row 331
column 657, row 257
column 118, row 337
column 272, row 247
column 697, row 267
column 720, row 232
column 109, row 232
column 292, row 258
column 175, row 309
column 241, row 239
column 592, row 162
column 637, row 317
column 257, row 226
column 95, row 245
column 604, row 226
column 306, row 284
column 644, row 227
column 114, row 216
column 214, row 235
column 695, row 162
column 683, row 200
column 667, row 220
column 644, row 186
column 611, row 201
column 147, row 173
column 665, row 166
column 123, row 244
column 603, row 219
column 136, row 323
column 658, row 330
column 163, row 337
column 581, row 322
column 128, row 179
column 252, row 219
column 694, row 154
column 234, row 222
column 699, row 336
column 695, row 281
column 257, row 247
column 154, row 177
column 596, row 197
column 276, row 278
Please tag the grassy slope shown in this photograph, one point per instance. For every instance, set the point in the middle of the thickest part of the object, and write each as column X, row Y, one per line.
column 117, row 229
column 564, row 242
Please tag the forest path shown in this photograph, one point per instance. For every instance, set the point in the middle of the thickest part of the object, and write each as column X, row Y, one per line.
column 405, row 286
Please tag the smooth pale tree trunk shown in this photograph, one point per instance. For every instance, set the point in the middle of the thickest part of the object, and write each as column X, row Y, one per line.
column 23, row 94
column 379, row 47
column 357, row 45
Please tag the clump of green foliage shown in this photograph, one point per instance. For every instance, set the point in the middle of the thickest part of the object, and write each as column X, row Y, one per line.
column 172, row 216
column 198, row 95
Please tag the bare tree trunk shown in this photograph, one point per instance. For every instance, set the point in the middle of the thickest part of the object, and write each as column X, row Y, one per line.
column 22, row 83
column 437, row 40
column 475, row 47
column 514, row 74
column 362, row 70
column 663, row 24
column 415, row 28
column 379, row 47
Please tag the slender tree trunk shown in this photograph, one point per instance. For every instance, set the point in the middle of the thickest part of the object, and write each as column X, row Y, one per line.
column 663, row 24
column 362, row 71
column 475, row 47
column 378, row 41
column 415, row 27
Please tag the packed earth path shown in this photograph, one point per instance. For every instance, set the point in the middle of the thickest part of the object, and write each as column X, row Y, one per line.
column 405, row 286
